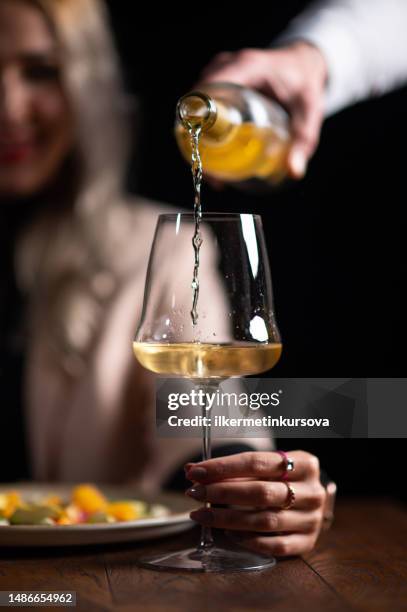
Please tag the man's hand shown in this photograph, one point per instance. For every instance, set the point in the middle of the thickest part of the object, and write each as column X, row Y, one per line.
column 295, row 76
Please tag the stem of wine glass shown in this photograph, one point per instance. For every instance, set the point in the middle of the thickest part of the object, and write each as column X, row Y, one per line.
column 206, row 542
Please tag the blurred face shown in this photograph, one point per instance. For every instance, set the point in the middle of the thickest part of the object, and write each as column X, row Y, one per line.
column 35, row 119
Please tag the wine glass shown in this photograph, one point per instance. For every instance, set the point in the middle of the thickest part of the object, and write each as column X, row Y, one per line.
column 234, row 334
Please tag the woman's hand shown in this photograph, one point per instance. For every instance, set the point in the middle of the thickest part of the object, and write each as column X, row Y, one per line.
column 250, row 480
column 294, row 75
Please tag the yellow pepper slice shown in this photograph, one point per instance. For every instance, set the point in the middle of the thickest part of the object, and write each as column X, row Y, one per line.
column 88, row 498
column 9, row 502
column 123, row 511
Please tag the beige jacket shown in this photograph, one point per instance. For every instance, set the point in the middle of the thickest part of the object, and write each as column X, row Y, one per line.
column 99, row 424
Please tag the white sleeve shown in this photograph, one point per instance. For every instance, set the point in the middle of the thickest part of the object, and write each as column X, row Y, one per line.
column 364, row 43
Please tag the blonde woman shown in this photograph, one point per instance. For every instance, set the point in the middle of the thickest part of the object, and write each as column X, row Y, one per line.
column 74, row 254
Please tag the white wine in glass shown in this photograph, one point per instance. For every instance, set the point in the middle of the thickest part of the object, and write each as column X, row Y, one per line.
column 233, row 332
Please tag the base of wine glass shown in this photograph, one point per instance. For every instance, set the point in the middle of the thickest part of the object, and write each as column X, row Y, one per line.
column 208, row 560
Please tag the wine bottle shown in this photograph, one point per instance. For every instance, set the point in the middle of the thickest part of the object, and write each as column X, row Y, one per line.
column 244, row 136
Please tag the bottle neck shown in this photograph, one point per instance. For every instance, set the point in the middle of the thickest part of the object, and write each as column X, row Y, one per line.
column 199, row 110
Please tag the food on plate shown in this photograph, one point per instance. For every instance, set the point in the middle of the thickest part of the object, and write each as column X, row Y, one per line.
column 86, row 504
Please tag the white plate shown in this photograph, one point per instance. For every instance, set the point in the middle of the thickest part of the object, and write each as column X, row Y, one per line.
column 103, row 533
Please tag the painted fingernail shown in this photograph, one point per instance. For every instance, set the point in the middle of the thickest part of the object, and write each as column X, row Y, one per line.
column 202, row 516
column 196, row 473
column 198, row 491
column 188, row 466
column 298, row 162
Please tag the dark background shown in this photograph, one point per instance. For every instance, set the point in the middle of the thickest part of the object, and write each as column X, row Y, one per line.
column 336, row 238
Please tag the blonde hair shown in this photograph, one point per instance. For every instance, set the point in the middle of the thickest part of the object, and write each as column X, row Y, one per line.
column 65, row 262
column 92, row 78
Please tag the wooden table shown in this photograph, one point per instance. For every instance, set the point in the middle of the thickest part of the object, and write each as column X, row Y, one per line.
column 360, row 564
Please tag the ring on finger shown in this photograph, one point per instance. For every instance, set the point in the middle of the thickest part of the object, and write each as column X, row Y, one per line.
column 290, row 496
column 288, row 464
